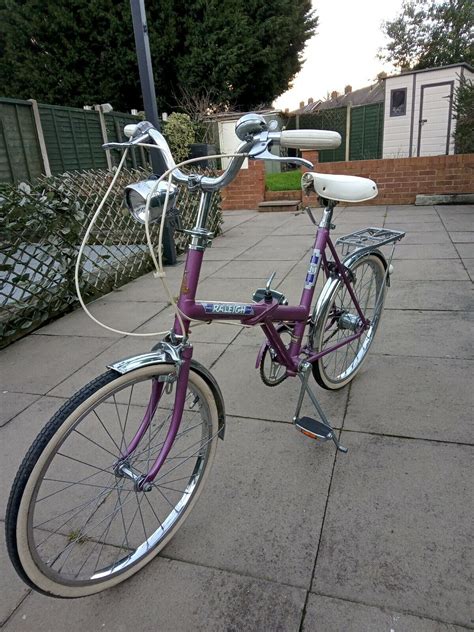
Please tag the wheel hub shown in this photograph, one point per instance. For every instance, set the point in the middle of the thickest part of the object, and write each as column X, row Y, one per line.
column 124, row 470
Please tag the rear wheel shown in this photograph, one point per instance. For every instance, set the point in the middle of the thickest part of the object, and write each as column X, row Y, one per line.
column 339, row 320
column 76, row 522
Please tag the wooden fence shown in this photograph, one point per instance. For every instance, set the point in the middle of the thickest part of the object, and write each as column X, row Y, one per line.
column 361, row 129
column 39, row 139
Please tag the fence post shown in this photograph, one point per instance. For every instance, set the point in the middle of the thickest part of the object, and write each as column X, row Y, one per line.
column 348, row 131
column 103, row 129
column 39, row 132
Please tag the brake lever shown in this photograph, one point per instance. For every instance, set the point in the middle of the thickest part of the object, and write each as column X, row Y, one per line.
column 260, row 152
column 267, row 155
column 117, row 145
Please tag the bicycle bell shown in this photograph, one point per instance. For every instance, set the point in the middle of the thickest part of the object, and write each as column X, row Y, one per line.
column 136, row 196
column 249, row 125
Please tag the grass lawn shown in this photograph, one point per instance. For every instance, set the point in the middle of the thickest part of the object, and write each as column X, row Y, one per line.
column 285, row 181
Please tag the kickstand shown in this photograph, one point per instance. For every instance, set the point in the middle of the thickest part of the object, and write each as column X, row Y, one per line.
column 319, row 429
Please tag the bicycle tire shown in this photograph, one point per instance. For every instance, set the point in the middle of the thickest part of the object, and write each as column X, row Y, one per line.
column 329, row 371
column 39, row 539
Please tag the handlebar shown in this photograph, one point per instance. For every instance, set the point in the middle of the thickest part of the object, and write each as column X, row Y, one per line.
column 255, row 145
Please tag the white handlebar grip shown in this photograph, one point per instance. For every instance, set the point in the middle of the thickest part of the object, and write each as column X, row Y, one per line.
column 310, row 139
column 129, row 130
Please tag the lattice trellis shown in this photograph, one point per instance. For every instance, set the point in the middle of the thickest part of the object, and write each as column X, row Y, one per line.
column 42, row 227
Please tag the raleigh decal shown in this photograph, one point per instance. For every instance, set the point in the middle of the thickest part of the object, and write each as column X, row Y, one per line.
column 228, row 308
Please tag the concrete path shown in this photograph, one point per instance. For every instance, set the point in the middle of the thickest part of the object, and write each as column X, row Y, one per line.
column 288, row 535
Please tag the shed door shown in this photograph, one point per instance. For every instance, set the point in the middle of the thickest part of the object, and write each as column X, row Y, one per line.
column 434, row 129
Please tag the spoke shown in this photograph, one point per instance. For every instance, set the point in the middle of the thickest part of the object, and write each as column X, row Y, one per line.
column 86, row 478
column 105, row 429
column 120, row 424
column 100, row 469
column 154, row 512
column 95, row 443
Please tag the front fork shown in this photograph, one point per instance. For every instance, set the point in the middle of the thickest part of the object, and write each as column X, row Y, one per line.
column 122, row 467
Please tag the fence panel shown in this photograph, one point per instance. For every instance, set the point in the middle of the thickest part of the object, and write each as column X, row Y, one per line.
column 114, row 123
column 334, row 119
column 20, row 155
column 366, row 132
column 73, row 138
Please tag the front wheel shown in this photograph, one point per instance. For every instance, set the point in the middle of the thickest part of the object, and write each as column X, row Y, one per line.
column 338, row 320
column 76, row 522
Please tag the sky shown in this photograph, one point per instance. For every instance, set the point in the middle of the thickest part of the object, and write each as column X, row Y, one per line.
column 343, row 51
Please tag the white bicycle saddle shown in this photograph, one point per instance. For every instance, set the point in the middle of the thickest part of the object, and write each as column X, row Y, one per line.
column 341, row 188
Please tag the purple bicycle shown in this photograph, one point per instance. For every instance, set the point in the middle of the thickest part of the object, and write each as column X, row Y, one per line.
column 113, row 475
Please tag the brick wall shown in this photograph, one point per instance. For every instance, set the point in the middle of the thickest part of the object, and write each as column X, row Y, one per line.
column 400, row 180
column 248, row 188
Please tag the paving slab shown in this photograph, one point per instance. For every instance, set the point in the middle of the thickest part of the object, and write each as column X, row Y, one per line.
column 460, row 237
column 325, row 614
column 432, row 270
column 258, row 270
column 389, row 536
column 469, row 265
column 283, row 248
column 426, row 334
column 423, row 251
column 424, row 398
column 246, row 395
column 13, row 403
column 428, row 237
column 170, row 596
column 262, row 509
column 459, row 222
column 437, row 295
column 206, row 354
column 37, row 363
column 12, row 589
column 414, row 226
column 16, row 438
column 466, row 251
column 124, row 316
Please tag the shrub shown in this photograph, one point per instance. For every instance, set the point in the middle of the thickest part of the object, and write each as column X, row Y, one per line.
column 180, row 134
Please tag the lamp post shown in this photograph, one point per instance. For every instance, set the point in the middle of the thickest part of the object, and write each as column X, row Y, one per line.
column 142, row 44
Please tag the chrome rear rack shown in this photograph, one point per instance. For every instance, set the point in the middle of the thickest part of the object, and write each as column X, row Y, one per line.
column 369, row 238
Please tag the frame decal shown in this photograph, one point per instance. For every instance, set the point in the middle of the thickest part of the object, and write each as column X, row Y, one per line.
column 239, row 309
column 312, row 273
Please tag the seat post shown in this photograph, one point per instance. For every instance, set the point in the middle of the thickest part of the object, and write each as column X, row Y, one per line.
column 326, row 219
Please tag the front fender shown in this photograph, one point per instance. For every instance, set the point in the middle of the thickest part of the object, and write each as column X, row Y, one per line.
column 127, row 365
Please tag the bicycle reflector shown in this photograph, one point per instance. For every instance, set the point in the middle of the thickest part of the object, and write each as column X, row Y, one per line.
column 136, row 196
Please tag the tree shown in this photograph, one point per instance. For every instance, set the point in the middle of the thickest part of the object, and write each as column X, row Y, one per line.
column 427, row 34
column 243, row 53
column 464, row 114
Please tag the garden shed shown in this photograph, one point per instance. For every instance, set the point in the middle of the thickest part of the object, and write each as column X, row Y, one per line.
column 419, row 116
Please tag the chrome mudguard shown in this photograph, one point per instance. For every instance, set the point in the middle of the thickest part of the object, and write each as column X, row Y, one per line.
column 330, row 286
column 166, row 356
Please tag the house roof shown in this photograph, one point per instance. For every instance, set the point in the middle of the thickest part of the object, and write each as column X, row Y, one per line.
column 308, row 108
column 363, row 96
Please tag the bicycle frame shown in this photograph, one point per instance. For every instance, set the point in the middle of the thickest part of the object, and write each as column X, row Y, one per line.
column 264, row 313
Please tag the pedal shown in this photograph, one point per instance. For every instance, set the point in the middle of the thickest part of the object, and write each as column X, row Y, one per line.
column 314, row 429
column 318, row 430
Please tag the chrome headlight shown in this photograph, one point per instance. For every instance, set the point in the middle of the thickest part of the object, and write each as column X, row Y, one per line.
column 136, row 196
